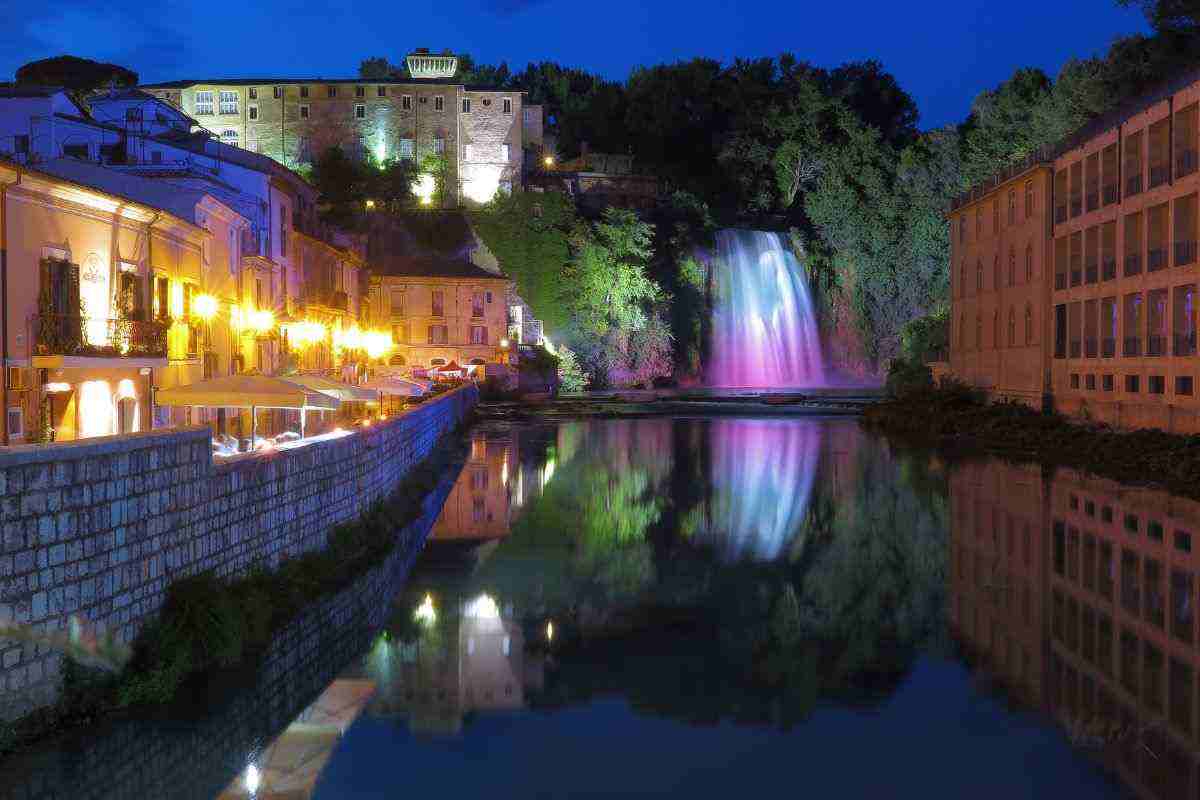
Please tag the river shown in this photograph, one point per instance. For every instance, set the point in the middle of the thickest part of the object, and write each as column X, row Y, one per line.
column 702, row 607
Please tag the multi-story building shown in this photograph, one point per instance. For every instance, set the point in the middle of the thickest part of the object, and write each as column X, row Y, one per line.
column 110, row 291
column 478, row 508
column 480, row 132
column 441, row 311
column 1116, row 335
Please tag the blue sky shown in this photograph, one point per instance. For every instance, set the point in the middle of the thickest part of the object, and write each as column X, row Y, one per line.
column 943, row 53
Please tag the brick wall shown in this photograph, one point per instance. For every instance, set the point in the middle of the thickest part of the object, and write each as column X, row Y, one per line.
column 98, row 529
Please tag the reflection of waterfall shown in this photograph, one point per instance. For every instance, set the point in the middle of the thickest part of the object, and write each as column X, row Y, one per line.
column 764, row 329
column 762, row 477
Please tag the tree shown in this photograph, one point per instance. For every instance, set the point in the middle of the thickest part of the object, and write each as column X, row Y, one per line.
column 608, row 274
column 77, row 74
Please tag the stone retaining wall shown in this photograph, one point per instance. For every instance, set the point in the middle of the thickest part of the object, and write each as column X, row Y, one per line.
column 98, row 529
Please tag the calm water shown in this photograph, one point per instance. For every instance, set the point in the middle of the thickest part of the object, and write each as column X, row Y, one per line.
column 702, row 607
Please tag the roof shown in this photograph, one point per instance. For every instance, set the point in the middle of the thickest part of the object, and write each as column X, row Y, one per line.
column 339, row 81
column 435, row 267
column 168, row 197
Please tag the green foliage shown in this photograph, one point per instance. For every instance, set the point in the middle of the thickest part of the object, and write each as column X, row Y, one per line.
column 571, row 377
column 608, row 274
column 908, row 376
column 925, row 338
column 80, row 75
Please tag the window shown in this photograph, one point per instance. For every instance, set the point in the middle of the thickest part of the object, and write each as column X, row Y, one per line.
column 1183, row 385
column 979, row 276
column 253, row 93
column 1029, row 205
column 439, row 103
column 489, row 297
column 1028, row 324
column 437, row 302
column 229, row 102
column 1156, row 384
column 1012, row 327
column 381, row 91
column 1106, row 383
column 438, row 334
column 406, row 102
column 331, row 91
column 303, row 112
column 507, row 105
column 397, row 303
column 16, row 422
column 1012, row 267
column 466, row 105
column 360, row 112
column 1012, row 206
column 360, row 91
column 1133, row 384
column 1074, row 380
column 1183, row 541
column 304, row 91
column 962, row 228
column 283, row 231
column 477, row 304
column 1089, row 383
column 253, row 112
column 203, row 103
column 478, row 334
column 278, row 92
column 407, row 148
column 229, row 136
column 439, row 146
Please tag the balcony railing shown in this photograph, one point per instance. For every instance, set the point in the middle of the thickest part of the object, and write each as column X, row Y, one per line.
column 1108, row 269
column 1089, row 347
column 1156, row 259
column 1185, row 344
column 1060, row 214
column 1060, row 280
column 1133, row 346
column 1156, row 345
column 1110, row 194
column 1133, row 184
column 1185, row 252
column 1108, row 348
column 1133, row 264
column 1076, row 348
column 1159, row 175
column 1092, row 272
column 1185, row 163
column 97, row 337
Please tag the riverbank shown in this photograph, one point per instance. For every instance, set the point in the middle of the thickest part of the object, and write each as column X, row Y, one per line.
column 957, row 420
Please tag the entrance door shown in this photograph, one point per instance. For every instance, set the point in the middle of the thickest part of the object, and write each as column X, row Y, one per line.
column 127, row 415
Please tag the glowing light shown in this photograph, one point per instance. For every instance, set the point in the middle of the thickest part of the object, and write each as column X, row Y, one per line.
column 483, row 183
column 381, row 151
column 550, row 631
column 377, row 344
column 204, row 306
column 95, row 409
column 304, row 334
column 253, row 779
column 548, row 161
column 483, row 607
column 425, row 188
column 339, row 431
column 177, row 299
column 425, row 612
column 55, row 388
column 370, row 204
column 504, row 344
column 262, row 321
column 546, row 343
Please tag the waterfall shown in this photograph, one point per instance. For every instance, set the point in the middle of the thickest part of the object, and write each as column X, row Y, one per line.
column 764, row 329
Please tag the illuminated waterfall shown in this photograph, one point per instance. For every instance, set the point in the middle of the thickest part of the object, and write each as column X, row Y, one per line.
column 764, row 328
column 762, row 477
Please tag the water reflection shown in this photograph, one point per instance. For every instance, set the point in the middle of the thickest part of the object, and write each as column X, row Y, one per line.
column 1078, row 595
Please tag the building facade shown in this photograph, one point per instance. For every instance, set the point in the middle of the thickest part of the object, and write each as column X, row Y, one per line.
column 441, row 311
column 1114, row 336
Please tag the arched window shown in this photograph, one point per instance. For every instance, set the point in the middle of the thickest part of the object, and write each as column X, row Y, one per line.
column 978, row 332
column 1029, row 263
column 1028, row 324
column 1012, row 327
column 1012, row 267
column 962, row 283
column 229, row 136
column 997, row 278
column 962, row 332
column 979, row 276
column 996, row 330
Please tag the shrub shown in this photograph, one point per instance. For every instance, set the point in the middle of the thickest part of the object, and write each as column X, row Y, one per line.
column 907, row 376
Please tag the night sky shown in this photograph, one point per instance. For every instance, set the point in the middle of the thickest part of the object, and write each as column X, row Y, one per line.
column 943, row 53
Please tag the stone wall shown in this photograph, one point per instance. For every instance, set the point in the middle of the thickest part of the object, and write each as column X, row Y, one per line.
column 96, row 530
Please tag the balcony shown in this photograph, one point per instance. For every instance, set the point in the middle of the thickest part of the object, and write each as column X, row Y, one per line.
column 1156, row 345
column 1185, row 163
column 1060, row 214
column 97, row 337
column 1110, row 194
column 1133, row 346
column 1133, row 185
column 1133, row 264
column 1159, row 175
column 1185, row 252
column 1108, row 269
column 1156, row 259
column 1108, row 348
column 1185, row 344
column 1089, row 347
column 329, row 298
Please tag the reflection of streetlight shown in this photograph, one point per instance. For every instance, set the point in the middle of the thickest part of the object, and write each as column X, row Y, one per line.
column 548, row 161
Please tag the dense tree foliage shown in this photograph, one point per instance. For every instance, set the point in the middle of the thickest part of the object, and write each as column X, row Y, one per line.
column 74, row 73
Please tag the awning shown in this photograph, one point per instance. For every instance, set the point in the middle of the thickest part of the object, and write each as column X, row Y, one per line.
column 347, row 393
column 246, row 390
column 395, row 385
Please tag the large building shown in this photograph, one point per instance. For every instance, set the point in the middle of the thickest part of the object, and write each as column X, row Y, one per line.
column 481, row 132
column 1089, row 303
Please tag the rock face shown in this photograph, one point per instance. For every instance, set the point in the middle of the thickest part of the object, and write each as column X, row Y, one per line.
column 94, row 531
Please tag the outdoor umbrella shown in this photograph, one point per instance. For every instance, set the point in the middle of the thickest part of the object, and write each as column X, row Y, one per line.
column 251, row 390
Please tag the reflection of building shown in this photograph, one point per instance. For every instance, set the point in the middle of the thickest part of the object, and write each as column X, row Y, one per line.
column 478, row 507
column 1110, row 623
column 471, row 661
column 289, row 767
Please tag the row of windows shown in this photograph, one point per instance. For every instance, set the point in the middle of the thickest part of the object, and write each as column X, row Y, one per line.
column 398, row 303
column 1029, row 207
column 1155, row 384
column 437, row 334
column 998, row 272
column 1029, row 331
column 228, row 100
column 1152, row 323
column 1090, row 256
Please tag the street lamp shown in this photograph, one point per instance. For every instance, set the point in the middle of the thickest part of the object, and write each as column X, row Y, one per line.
column 548, row 161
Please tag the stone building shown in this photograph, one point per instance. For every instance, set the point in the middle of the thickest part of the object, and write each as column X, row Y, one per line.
column 1116, row 336
column 480, row 131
